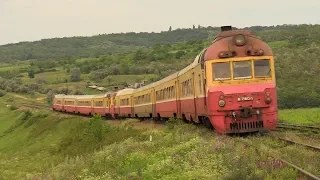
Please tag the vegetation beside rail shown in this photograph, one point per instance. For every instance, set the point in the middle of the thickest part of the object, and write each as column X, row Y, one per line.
column 40, row 144
column 305, row 116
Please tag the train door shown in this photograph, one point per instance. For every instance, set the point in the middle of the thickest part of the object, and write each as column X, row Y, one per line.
column 63, row 105
column 195, row 98
column 132, row 106
column 112, row 106
column 92, row 107
column 117, row 106
column 153, row 102
column 177, row 94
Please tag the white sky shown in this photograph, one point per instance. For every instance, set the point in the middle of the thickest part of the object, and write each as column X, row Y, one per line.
column 29, row 20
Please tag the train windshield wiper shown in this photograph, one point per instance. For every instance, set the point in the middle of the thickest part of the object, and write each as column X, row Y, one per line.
column 219, row 79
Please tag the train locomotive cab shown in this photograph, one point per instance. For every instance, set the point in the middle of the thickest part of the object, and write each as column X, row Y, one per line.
column 240, row 80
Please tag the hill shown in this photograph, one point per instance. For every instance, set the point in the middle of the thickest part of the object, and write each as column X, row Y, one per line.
column 106, row 44
column 95, row 46
column 296, row 48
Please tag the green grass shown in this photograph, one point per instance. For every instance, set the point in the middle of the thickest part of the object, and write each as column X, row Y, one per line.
column 51, row 145
column 309, row 116
column 11, row 68
column 278, row 44
column 44, row 145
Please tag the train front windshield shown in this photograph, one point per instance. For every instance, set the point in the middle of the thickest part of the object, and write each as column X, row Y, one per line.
column 248, row 69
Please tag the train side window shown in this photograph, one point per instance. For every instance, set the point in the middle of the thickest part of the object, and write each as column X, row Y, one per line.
column 163, row 94
column 186, row 88
column 172, row 91
column 183, row 89
column 190, row 86
column 200, row 84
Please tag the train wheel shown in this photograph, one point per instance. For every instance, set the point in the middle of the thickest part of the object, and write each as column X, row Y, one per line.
column 184, row 118
column 206, row 122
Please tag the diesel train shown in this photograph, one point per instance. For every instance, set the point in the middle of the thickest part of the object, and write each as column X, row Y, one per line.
column 230, row 86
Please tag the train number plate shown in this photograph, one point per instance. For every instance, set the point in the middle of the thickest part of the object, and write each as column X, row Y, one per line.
column 245, row 99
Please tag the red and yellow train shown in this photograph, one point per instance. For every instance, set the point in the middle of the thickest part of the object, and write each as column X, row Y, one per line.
column 229, row 86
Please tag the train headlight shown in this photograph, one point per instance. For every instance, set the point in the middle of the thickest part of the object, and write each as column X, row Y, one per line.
column 240, row 40
column 222, row 103
column 268, row 100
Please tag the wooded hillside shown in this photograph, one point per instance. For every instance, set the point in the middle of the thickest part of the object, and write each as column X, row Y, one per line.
column 101, row 58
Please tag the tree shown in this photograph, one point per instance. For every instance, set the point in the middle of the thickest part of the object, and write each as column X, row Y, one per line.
column 170, row 28
column 75, row 74
column 194, row 27
column 50, row 96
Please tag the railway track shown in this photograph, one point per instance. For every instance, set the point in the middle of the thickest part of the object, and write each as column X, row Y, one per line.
column 287, row 125
column 303, row 172
column 316, row 148
column 35, row 106
column 298, row 127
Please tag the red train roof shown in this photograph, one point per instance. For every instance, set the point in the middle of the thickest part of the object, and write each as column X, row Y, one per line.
column 225, row 42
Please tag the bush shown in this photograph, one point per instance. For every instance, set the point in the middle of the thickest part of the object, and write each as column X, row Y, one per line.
column 13, row 107
column 2, row 93
column 50, row 96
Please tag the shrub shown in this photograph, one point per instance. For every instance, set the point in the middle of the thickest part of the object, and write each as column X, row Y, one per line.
column 2, row 93
column 13, row 107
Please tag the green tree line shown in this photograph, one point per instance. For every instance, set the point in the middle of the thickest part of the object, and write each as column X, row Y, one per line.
column 296, row 49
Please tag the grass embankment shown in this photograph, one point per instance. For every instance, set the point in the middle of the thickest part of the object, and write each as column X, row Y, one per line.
column 43, row 145
column 300, row 116
column 50, row 145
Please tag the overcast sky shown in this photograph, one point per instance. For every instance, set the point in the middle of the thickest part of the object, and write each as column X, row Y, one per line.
column 29, row 20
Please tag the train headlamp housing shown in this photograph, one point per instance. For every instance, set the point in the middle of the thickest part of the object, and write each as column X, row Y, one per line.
column 267, row 97
column 240, row 40
column 222, row 103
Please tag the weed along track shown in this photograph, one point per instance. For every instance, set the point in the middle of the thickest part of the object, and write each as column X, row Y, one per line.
column 301, row 157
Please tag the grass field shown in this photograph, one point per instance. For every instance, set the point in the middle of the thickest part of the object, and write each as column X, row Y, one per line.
column 301, row 116
column 61, row 79
column 45, row 145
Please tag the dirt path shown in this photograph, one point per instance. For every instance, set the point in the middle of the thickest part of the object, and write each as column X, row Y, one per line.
column 26, row 98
